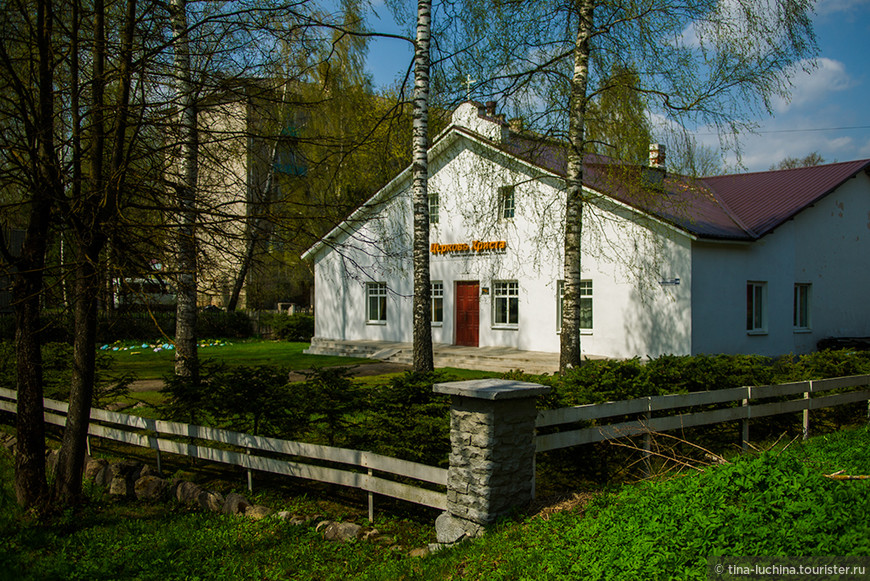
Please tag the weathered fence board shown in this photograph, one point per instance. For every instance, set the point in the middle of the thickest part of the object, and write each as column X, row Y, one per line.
column 645, row 406
column 145, row 432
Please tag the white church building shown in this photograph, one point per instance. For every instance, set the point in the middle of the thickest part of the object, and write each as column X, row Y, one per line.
column 766, row 263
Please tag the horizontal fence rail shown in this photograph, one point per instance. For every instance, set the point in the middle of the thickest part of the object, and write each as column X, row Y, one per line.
column 149, row 433
column 648, row 406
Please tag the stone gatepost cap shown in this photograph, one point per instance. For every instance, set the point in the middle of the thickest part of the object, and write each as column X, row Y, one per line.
column 492, row 389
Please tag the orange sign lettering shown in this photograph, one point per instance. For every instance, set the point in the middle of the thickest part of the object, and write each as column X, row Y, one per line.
column 477, row 246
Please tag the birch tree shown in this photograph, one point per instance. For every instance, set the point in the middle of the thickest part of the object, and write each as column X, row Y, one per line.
column 711, row 64
column 570, row 354
column 423, row 358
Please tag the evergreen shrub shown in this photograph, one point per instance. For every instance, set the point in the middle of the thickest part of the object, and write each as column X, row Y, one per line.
column 295, row 327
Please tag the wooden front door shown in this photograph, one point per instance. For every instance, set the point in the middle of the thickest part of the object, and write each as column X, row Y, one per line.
column 467, row 312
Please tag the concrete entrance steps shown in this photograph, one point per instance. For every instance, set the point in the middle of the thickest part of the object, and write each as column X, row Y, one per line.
column 484, row 358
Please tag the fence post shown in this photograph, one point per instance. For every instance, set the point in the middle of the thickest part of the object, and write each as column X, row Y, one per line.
column 806, row 413
column 250, row 473
column 371, row 501
column 492, row 455
column 745, row 437
column 647, row 438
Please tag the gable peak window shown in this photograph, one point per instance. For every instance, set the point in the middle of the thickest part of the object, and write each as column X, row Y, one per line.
column 506, row 203
column 434, row 207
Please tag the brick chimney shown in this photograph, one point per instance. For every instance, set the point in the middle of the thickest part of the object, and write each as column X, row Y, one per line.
column 654, row 175
column 657, row 155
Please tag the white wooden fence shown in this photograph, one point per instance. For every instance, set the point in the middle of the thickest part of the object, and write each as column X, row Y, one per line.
column 242, row 450
column 748, row 398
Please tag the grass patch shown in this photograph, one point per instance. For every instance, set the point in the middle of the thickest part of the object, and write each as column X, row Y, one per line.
column 148, row 364
column 775, row 503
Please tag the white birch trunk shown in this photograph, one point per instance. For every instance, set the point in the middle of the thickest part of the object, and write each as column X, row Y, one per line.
column 423, row 358
column 570, row 353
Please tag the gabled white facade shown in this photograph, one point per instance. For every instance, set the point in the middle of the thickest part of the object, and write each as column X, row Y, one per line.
column 655, row 288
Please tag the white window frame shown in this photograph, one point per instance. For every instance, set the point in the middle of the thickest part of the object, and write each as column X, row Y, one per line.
column 376, row 303
column 803, row 301
column 756, row 307
column 504, row 294
column 436, row 291
column 507, row 203
column 434, row 207
column 586, row 294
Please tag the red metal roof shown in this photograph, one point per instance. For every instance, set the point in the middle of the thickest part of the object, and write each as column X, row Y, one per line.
column 738, row 206
column 765, row 200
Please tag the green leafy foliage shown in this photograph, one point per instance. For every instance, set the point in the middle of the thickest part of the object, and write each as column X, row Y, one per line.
column 612, row 380
column 296, row 327
column 774, row 504
column 134, row 325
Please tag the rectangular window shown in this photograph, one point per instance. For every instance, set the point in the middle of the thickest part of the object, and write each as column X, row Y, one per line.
column 756, row 309
column 506, row 303
column 434, row 207
column 802, row 294
column 585, row 305
column 437, row 293
column 506, row 203
column 376, row 305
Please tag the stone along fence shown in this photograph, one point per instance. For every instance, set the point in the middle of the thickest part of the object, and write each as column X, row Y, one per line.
column 493, row 440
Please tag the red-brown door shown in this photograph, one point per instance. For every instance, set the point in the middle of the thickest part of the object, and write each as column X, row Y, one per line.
column 467, row 312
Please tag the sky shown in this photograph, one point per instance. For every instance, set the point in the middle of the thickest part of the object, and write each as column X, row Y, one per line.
column 829, row 109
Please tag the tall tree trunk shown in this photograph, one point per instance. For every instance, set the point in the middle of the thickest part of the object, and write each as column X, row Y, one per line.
column 70, row 462
column 30, row 484
column 186, row 358
column 99, row 208
column 570, row 354
column 423, row 358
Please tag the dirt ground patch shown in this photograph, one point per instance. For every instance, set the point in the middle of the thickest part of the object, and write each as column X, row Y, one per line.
column 365, row 369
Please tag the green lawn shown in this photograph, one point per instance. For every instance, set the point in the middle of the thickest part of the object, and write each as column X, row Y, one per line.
column 148, row 364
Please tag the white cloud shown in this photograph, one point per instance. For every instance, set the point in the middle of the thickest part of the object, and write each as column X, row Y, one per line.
column 815, row 85
column 828, row 7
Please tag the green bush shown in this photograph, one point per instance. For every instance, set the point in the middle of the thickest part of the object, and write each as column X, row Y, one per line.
column 135, row 326
column 610, row 380
column 296, row 327
column 408, row 420
column 258, row 400
column 332, row 402
column 138, row 326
